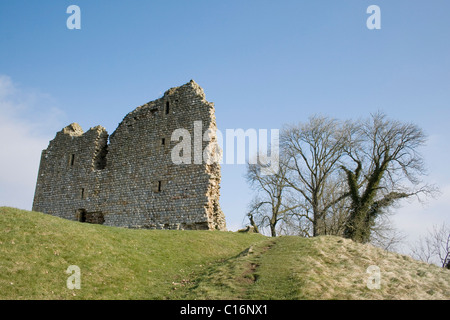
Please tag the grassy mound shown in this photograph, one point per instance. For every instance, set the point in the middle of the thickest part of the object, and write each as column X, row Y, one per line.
column 116, row 263
column 291, row 268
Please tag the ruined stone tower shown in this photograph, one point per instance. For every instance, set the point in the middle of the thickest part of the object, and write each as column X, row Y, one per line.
column 132, row 180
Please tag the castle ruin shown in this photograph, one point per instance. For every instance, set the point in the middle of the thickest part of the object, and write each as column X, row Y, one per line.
column 131, row 180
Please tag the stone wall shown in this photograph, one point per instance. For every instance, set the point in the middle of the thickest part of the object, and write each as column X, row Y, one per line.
column 132, row 181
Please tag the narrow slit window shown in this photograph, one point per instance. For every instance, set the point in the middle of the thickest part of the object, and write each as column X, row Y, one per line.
column 167, row 107
column 72, row 159
column 159, row 186
column 82, row 193
column 163, row 141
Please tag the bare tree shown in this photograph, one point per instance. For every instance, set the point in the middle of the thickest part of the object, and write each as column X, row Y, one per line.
column 336, row 194
column 313, row 150
column 387, row 168
column 385, row 235
column 272, row 205
column 435, row 247
column 423, row 250
column 341, row 178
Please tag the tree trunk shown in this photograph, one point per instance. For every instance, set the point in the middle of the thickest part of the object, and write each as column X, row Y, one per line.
column 273, row 231
column 253, row 223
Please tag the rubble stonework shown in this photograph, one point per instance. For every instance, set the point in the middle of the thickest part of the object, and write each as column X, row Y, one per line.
column 132, row 181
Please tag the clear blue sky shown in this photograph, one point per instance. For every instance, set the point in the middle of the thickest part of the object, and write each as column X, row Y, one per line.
column 263, row 64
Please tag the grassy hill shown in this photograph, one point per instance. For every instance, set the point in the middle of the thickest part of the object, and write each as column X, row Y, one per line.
column 116, row 263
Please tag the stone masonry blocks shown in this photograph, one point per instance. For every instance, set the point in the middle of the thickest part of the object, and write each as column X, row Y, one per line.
column 131, row 181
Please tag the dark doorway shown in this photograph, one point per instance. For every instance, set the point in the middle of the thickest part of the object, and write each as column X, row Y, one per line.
column 81, row 215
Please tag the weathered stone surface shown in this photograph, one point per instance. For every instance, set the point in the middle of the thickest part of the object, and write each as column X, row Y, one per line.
column 132, row 181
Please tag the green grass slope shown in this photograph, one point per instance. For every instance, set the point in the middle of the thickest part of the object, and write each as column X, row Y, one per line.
column 291, row 268
column 116, row 263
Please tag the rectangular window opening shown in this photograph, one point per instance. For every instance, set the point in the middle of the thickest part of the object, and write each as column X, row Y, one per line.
column 72, row 159
column 167, row 107
column 82, row 193
column 159, row 186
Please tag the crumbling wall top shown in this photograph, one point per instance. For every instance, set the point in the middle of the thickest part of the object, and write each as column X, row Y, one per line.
column 73, row 129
